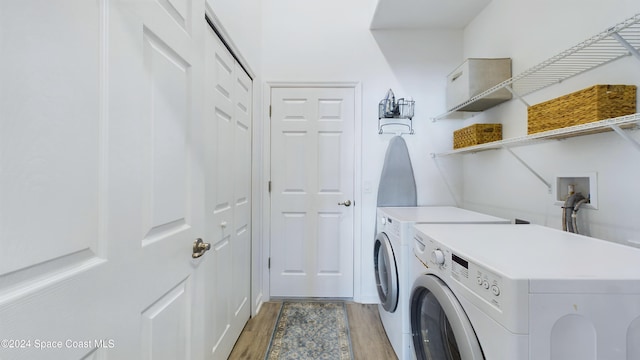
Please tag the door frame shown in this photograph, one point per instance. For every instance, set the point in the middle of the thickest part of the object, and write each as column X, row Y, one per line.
column 357, row 181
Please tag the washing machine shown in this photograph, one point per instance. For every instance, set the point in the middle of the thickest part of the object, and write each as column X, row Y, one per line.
column 392, row 262
column 523, row 292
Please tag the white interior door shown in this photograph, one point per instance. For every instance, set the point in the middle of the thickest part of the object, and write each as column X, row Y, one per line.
column 312, row 171
column 101, row 194
column 228, row 197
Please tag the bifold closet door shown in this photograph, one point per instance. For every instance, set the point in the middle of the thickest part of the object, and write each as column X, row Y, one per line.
column 228, row 97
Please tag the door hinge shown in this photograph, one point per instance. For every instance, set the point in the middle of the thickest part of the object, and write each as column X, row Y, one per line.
column 269, row 186
column 269, row 263
column 269, row 110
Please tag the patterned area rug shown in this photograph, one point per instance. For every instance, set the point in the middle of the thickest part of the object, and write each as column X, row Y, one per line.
column 311, row 330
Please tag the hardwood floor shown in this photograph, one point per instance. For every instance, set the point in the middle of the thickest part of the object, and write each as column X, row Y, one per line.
column 254, row 339
column 368, row 338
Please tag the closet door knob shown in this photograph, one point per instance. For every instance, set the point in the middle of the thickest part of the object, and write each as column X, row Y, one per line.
column 199, row 248
column 346, row 203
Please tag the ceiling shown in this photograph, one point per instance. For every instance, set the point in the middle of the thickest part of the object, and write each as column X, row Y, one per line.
column 426, row 14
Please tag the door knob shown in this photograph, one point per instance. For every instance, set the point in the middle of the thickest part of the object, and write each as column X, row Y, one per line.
column 199, row 248
column 346, row 203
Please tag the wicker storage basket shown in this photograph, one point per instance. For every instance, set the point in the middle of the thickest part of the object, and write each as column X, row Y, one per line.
column 476, row 134
column 594, row 103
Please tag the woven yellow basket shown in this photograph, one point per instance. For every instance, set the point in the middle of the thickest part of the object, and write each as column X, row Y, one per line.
column 476, row 134
column 594, row 103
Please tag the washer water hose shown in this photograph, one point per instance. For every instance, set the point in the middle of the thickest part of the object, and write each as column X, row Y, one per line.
column 569, row 217
column 574, row 214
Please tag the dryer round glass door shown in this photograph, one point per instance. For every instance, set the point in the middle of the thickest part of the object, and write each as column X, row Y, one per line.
column 386, row 272
column 439, row 325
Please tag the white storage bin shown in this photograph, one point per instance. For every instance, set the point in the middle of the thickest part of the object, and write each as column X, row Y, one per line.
column 475, row 76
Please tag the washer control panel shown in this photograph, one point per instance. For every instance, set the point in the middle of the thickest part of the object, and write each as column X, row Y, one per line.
column 479, row 280
column 446, row 263
column 438, row 257
column 431, row 254
column 389, row 225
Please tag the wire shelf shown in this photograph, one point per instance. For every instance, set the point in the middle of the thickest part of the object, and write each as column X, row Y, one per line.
column 614, row 43
column 628, row 121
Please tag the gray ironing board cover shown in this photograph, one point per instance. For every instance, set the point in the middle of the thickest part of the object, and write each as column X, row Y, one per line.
column 397, row 185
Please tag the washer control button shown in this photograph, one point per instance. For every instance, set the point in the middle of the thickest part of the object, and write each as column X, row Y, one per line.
column 437, row 256
column 479, row 280
column 485, row 284
column 495, row 290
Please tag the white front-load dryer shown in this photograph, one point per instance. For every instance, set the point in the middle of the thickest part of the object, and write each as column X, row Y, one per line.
column 393, row 260
column 523, row 292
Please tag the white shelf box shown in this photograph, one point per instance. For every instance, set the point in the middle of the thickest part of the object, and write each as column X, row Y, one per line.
column 474, row 77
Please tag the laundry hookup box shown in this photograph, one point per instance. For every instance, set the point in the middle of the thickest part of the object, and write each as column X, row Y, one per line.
column 473, row 77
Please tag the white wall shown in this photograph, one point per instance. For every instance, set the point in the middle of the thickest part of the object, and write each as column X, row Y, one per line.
column 330, row 41
column 494, row 182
